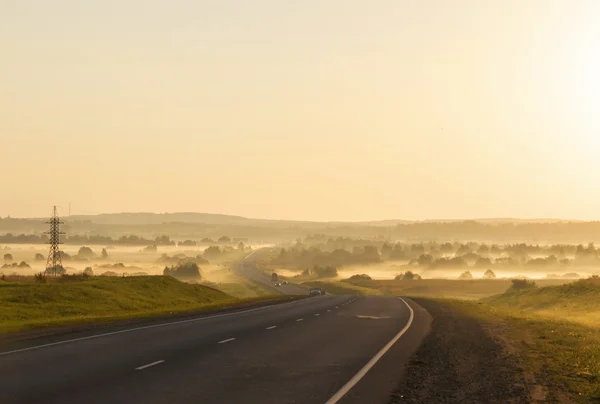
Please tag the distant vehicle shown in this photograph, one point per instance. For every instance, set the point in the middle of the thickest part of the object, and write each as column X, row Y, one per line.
column 284, row 282
column 315, row 292
column 274, row 277
column 277, row 283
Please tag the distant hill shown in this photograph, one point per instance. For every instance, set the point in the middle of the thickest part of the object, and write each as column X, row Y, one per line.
column 143, row 218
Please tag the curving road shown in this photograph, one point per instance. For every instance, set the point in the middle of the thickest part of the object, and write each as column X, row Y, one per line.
column 343, row 349
column 247, row 268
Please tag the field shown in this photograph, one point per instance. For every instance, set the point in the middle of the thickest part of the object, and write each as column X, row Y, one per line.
column 99, row 299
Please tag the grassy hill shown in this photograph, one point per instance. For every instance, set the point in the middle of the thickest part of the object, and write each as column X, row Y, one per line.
column 29, row 306
column 578, row 301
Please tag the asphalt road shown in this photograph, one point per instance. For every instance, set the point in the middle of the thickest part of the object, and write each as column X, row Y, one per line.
column 305, row 351
column 248, row 269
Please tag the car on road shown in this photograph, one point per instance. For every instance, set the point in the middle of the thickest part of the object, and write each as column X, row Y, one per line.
column 284, row 282
column 277, row 283
column 315, row 292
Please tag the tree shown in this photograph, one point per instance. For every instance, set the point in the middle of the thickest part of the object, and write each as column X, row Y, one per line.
column 212, row 252
column 8, row 257
column 23, row 264
column 483, row 262
column 150, row 249
column 104, row 254
column 325, row 272
column 386, row 251
column 489, row 274
column 39, row 257
column 408, row 276
column 425, row 260
column 241, row 246
column 466, row 275
column 224, row 240
column 85, row 252
column 187, row 270
column 446, row 248
column 88, row 271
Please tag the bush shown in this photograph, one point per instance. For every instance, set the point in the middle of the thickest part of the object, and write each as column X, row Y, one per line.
column 325, row 272
column 361, row 277
column 407, row 276
column 39, row 278
column 150, row 249
column 187, row 270
column 489, row 274
column 23, row 264
column 466, row 275
column 88, row 271
column 8, row 257
column 224, row 240
column 522, row 284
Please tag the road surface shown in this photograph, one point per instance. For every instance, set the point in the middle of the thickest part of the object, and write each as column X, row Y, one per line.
column 306, row 351
column 247, row 269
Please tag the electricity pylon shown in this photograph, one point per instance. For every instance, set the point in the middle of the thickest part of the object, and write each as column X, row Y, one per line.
column 54, row 262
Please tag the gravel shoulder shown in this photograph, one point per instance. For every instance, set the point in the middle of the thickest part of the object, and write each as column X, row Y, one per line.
column 460, row 362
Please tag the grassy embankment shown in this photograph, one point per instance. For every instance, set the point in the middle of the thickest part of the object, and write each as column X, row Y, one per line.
column 554, row 330
column 444, row 288
column 102, row 299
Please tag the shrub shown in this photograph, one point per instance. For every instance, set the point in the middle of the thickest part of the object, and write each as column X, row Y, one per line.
column 361, row 277
column 40, row 278
column 8, row 257
column 466, row 275
column 150, row 249
column 325, row 272
column 522, row 284
column 187, row 270
column 88, row 271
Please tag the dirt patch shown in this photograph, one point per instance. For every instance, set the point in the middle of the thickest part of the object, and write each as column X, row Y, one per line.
column 459, row 362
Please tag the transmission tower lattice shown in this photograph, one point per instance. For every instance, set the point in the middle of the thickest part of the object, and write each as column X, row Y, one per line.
column 54, row 262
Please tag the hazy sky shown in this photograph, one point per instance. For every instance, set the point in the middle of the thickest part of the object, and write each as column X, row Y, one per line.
column 323, row 110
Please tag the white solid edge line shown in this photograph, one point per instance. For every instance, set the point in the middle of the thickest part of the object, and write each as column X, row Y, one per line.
column 300, row 319
column 226, row 340
column 361, row 373
column 149, row 365
column 271, row 327
column 143, row 328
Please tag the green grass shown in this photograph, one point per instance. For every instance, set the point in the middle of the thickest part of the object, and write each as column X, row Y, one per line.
column 445, row 288
column 563, row 356
column 578, row 301
column 243, row 290
column 100, row 299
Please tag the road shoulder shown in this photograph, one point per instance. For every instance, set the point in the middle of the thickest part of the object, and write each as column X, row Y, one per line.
column 460, row 362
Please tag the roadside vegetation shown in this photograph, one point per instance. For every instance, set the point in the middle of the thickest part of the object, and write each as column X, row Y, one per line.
column 73, row 300
column 553, row 330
